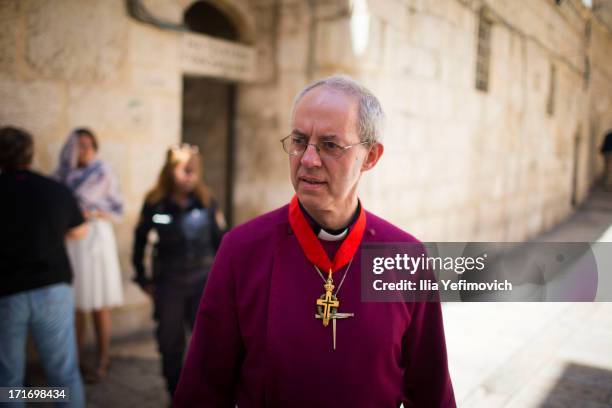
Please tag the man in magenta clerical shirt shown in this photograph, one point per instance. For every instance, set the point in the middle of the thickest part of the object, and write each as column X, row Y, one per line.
column 281, row 321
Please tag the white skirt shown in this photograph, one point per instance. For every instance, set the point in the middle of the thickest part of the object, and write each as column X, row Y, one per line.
column 95, row 266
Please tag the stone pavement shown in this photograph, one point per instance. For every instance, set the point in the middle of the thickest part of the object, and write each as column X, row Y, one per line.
column 134, row 379
column 537, row 354
column 500, row 354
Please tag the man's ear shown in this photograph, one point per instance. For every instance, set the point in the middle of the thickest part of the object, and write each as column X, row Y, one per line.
column 374, row 154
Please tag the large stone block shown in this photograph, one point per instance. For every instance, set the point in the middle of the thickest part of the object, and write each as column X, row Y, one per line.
column 153, row 47
column 266, row 20
column 166, row 121
column 80, row 41
column 157, row 79
column 333, row 45
column 144, row 164
column 392, row 12
column 10, row 21
column 113, row 111
column 422, row 63
column 293, row 45
column 167, row 11
column 429, row 31
column 331, row 9
column 37, row 106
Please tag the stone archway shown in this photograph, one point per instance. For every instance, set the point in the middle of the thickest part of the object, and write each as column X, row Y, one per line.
column 236, row 13
column 204, row 18
column 216, row 59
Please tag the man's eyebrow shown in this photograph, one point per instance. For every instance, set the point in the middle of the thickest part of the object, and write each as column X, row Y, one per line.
column 298, row 133
column 329, row 136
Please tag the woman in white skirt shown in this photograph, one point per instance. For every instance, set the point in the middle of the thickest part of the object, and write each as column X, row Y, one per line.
column 94, row 260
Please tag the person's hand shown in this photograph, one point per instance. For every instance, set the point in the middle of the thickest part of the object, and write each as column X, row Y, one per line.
column 103, row 215
column 98, row 214
column 92, row 214
column 78, row 232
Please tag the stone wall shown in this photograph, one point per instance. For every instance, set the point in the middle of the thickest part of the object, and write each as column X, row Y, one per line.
column 73, row 63
column 600, row 112
column 459, row 164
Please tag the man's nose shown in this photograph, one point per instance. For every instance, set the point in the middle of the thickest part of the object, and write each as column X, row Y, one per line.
column 310, row 157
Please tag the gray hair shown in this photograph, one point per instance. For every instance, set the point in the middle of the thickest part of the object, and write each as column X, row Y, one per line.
column 371, row 116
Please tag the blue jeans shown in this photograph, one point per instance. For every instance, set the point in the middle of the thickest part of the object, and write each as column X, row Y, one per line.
column 48, row 312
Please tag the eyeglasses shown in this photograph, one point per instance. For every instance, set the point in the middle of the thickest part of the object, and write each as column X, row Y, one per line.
column 296, row 145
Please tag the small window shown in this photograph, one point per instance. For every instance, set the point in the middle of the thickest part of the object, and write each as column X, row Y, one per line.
column 587, row 72
column 483, row 53
column 587, row 62
column 552, row 89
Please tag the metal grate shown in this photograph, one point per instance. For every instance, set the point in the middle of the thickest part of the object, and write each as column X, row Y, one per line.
column 552, row 89
column 483, row 54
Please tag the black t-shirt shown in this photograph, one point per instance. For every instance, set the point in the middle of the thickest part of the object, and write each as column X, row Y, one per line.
column 35, row 214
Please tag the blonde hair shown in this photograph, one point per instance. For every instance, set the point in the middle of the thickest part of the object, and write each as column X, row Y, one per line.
column 165, row 181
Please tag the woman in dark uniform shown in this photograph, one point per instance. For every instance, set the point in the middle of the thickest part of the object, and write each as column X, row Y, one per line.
column 189, row 226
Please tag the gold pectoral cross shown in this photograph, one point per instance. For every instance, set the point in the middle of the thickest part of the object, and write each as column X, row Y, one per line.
column 327, row 304
column 327, row 307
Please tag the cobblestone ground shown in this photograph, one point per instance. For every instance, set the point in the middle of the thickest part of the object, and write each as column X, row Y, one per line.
column 134, row 379
column 516, row 355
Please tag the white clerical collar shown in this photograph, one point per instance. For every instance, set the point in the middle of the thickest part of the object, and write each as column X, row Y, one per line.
column 326, row 236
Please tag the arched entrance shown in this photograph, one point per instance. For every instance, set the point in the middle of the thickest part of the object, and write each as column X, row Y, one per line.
column 208, row 113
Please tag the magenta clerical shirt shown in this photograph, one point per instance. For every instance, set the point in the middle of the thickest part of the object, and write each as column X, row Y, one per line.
column 256, row 342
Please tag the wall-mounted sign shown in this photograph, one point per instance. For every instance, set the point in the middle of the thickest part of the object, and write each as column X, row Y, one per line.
column 205, row 55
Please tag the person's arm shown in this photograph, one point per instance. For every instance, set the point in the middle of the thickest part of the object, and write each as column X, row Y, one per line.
column 141, row 232
column 101, row 195
column 218, row 224
column 216, row 350
column 76, row 226
column 427, row 381
column 114, row 199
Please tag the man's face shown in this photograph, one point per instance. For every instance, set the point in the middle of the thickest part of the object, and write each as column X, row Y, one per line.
column 327, row 183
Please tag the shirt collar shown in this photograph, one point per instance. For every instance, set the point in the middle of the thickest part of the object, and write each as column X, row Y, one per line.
column 327, row 234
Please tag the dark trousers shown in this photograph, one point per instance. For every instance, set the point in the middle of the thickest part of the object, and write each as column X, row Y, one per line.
column 176, row 306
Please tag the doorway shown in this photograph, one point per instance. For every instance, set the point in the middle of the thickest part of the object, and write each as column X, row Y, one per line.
column 208, row 108
column 208, row 117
